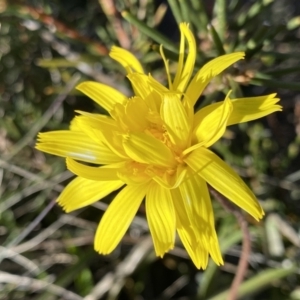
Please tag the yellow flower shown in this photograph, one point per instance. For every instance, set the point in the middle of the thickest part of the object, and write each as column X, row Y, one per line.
column 155, row 148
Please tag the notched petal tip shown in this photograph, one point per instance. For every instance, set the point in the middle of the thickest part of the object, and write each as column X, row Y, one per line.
column 126, row 59
column 64, row 206
column 184, row 25
column 81, row 192
column 101, row 251
column 259, row 213
column 161, row 253
column 102, row 94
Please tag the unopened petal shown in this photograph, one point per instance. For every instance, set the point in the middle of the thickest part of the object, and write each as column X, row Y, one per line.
column 126, row 59
column 225, row 180
column 176, row 120
column 144, row 148
column 140, row 84
column 166, row 62
column 102, row 94
column 161, row 218
column 76, row 145
column 136, row 114
column 103, row 130
column 207, row 72
column 105, row 173
column 81, row 192
column 182, row 78
column 213, row 125
column 157, row 85
column 180, row 58
column 118, row 217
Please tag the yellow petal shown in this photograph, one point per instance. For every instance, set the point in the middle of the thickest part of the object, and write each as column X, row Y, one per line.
column 105, row 173
column 193, row 191
column 76, row 145
column 103, row 130
column 157, row 85
column 126, row 59
column 136, row 114
column 114, row 141
column 144, row 148
column 102, row 94
column 143, row 85
column 166, row 63
column 93, row 120
column 225, row 180
column 198, row 254
column 198, row 206
column 167, row 180
column 182, row 218
column 180, row 58
column 176, row 120
column 188, row 234
column 134, row 173
column 252, row 108
column 203, row 211
column 153, row 101
column 214, row 249
column 161, row 218
column 199, row 239
column 207, row 72
column 143, row 88
column 183, row 76
column 118, row 217
column 244, row 109
column 213, row 125
column 140, row 84
column 81, row 192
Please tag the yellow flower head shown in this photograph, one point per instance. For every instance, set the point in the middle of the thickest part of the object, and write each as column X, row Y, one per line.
column 157, row 149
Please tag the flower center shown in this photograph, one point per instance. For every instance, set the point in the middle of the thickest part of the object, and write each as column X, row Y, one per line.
column 136, row 117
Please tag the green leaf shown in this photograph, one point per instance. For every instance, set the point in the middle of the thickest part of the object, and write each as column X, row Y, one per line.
column 216, row 38
column 258, row 282
column 294, row 86
column 220, row 14
column 226, row 242
column 174, row 6
column 150, row 32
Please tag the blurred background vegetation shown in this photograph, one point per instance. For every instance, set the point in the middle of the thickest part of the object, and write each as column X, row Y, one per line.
column 46, row 48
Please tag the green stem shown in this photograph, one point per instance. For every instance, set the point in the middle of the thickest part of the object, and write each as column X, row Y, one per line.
column 150, row 32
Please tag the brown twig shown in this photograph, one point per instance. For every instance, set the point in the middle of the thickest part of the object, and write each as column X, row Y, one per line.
column 113, row 282
column 246, row 248
column 243, row 263
column 38, row 14
column 34, row 285
column 109, row 8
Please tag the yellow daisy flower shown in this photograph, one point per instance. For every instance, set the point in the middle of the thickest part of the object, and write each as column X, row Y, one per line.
column 156, row 148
